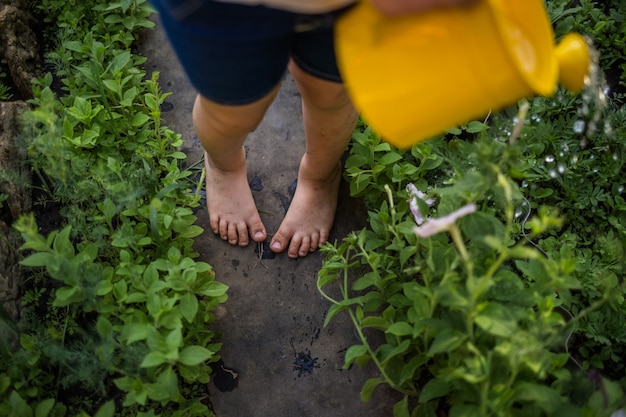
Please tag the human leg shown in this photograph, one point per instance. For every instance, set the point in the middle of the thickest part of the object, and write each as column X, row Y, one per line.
column 235, row 56
column 222, row 130
column 329, row 119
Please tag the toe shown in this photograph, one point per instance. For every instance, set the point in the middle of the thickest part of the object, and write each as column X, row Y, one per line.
column 295, row 247
column 279, row 242
column 315, row 242
column 233, row 235
column 305, row 246
column 242, row 233
column 223, row 230
column 214, row 223
column 257, row 231
column 323, row 238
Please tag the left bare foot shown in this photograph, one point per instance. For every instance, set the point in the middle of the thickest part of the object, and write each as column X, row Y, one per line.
column 308, row 221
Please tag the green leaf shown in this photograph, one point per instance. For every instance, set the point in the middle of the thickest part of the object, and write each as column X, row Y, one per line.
column 120, row 61
column 134, row 331
column 38, row 259
column 62, row 243
column 43, row 408
column 352, row 353
column 401, row 408
column 435, row 388
column 152, row 359
column 168, row 380
column 369, row 279
column 369, row 386
column 189, row 306
column 389, row 158
column 139, row 119
column 19, row 406
column 113, row 85
column 400, row 329
column 106, row 410
column 194, row 355
column 212, row 289
column 476, row 127
column 174, row 340
column 386, row 353
column 339, row 307
column 497, row 320
column 543, row 396
column 65, row 296
column 375, row 322
column 446, row 341
column 104, row 327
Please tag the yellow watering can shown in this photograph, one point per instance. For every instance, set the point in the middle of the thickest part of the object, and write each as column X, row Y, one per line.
column 413, row 77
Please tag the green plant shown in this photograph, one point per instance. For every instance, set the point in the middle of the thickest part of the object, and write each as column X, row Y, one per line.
column 475, row 320
column 117, row 310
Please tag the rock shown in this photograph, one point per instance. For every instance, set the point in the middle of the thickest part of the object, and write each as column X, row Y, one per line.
column 19, row 45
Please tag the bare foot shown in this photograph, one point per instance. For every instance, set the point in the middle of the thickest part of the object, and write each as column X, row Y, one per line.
column 310, row 216
column 232, row 212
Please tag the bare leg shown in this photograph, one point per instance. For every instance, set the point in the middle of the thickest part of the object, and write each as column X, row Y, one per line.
column 222, row 131
column 329, row 119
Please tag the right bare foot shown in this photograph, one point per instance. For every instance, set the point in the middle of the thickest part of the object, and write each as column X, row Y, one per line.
column 232, row 212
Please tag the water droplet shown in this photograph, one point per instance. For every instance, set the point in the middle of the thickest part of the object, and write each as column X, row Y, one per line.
column 518, row 212
column 561, row 168
column 524, row 184
column 553, row 173
column 620, row 189
column 579, row 126
column 615, row 157
column 550, row 159
column 574, row 159
column 584, row 110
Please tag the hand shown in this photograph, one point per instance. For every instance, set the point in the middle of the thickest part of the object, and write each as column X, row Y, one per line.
column 404, row 7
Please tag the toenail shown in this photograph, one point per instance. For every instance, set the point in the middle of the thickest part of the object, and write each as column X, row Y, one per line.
column 276, row 246
column 259, row 235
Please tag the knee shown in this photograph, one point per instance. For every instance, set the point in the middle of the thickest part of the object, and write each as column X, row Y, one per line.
column 225, row 121
column 323, row 94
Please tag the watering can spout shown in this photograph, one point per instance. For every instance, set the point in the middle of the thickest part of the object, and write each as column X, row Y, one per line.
column 572, row 55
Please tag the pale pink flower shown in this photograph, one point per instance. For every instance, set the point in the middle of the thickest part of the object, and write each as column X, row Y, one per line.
column 414, row 194
column 434, row 226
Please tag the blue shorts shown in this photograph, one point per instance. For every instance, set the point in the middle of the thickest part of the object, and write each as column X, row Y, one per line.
column 236, row 54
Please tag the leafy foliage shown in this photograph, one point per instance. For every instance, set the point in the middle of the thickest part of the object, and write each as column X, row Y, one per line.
column 118, row 312
column 518, row 308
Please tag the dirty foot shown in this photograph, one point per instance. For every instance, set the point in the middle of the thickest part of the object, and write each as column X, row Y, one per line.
column 310, row 216
column 232, row 212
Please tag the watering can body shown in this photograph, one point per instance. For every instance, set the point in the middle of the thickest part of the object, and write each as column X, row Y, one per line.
column 413, row 77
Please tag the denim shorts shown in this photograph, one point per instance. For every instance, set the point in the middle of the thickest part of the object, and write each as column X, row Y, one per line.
column 236, row 54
